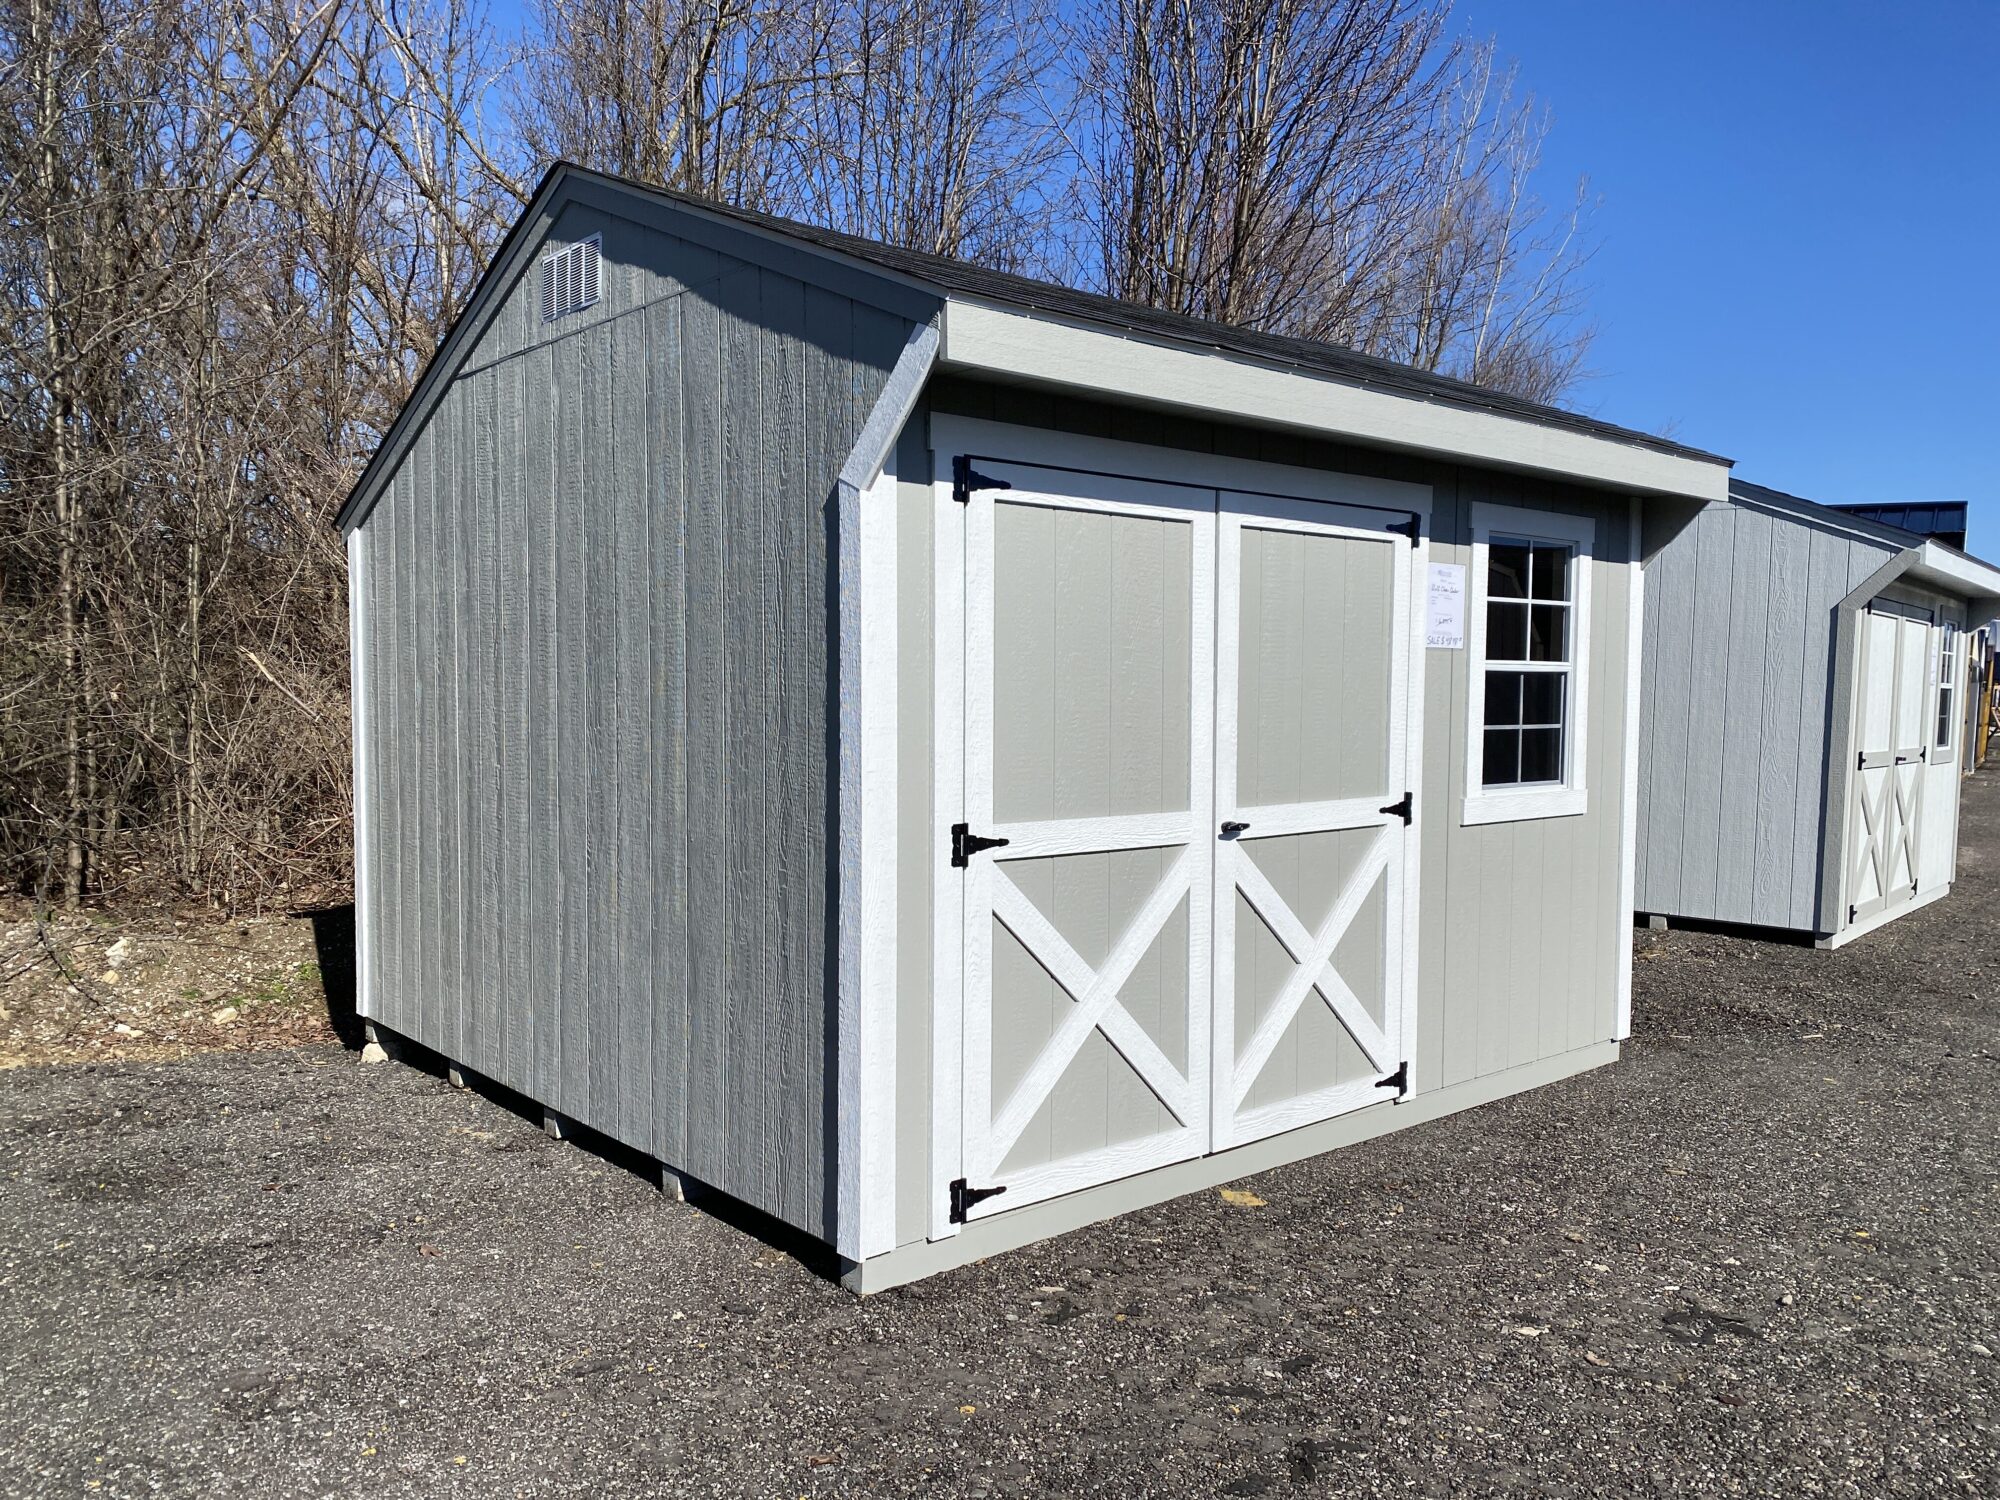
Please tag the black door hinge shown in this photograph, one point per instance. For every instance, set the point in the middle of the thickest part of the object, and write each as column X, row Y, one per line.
column 965, row 479
column 1853, row 912
column 1411, row 528
column 1398, row 1080
column 1406, row 809
column 965, row 843
column 963, row 1197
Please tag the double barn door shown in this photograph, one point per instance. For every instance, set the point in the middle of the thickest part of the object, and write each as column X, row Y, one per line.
column 1886, row 819
column 1181, row 862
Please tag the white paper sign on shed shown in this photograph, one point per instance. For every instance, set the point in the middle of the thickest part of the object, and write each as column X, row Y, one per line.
column 1444, row 619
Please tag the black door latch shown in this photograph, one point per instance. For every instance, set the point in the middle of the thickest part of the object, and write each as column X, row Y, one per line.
column 1233, row 827
column 965, row 843
column 963, row 1197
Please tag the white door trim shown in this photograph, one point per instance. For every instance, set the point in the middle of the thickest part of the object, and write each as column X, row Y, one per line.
column 947, row 884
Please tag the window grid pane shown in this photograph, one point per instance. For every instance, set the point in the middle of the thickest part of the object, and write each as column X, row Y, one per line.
column 1528, row 599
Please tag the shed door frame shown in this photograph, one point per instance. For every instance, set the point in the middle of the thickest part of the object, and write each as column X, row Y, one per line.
column 1142, row 462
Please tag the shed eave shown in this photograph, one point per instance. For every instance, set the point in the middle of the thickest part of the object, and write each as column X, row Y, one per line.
column 1952, row 571
column 1011, row 343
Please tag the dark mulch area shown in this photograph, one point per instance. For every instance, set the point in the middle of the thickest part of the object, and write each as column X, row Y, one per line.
column 1761, row 1256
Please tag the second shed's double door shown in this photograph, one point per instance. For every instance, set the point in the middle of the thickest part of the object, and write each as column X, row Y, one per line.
column 1887, row 814
column 1185, row 714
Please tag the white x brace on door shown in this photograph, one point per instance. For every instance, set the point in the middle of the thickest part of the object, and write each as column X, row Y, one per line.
column 1145, row 665
column 1313, row 793
column 1089, row 691
column 1887, row 815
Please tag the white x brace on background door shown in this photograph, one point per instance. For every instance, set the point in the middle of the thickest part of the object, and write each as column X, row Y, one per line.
column 1147, row 668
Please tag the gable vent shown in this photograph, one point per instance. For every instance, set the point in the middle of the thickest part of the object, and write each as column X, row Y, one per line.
column 569, row 278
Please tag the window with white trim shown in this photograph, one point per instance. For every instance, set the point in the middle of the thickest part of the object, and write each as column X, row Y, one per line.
column 1947, row 698
column 1529, row 639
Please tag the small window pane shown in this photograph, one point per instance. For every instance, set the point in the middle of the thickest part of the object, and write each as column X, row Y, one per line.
column 1507, row 632
column 1503, row 757
column 1548, row 636
column 1542, row 698
column 1551, row 573
column 1541, row 755
column 1507, row 571
column 1503, row 698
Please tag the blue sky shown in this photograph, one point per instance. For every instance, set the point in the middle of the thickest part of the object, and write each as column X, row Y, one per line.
column 1798, row 233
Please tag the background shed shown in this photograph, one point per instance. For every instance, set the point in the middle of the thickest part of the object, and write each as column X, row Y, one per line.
column 1766, row 692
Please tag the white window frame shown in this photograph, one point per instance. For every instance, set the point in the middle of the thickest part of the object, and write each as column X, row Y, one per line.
column 1949, row 652
column 1569, row 797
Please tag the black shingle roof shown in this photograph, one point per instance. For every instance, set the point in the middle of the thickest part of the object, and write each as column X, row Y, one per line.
column 946, row 275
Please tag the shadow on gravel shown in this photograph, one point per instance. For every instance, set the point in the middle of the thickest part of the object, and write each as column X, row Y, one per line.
column 811, row 1254
column 333, row 949
column 1780, row 936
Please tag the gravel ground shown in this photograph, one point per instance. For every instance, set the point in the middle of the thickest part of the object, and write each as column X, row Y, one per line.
column 1759, row 1257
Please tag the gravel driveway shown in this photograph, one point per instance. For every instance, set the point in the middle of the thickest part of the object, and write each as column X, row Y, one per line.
column 1761, row 1256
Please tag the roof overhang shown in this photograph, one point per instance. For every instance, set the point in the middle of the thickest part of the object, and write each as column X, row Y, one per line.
column 1941, row 567
column 1011, row 343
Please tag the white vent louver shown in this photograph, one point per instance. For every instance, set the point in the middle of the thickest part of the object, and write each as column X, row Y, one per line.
column 569, row 279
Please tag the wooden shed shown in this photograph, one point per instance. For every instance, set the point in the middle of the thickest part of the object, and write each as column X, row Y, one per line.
column 944, row 758
column 1806, row 674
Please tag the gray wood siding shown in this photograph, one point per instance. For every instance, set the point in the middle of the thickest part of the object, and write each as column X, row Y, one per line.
column 1732, row 767
column 598, row 638
column 1521, row 935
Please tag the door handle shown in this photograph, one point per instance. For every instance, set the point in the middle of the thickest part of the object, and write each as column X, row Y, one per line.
column 1230, row 829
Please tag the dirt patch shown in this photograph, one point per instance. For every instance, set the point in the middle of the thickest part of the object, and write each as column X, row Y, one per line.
column 92, row 987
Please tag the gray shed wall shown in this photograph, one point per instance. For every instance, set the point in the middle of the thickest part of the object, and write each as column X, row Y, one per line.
column 1734, row 725
column 597, row 650
column 1520, row 931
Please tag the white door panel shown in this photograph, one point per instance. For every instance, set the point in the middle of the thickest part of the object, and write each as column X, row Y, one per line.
column 1311, row 774
column 1089, row 693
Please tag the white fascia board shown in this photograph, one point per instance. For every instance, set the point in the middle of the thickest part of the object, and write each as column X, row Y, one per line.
column 1013, row 343
column 1956, row 573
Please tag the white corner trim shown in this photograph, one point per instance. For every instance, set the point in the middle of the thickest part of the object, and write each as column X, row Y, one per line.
column 1628, row 814
column 1570, row 797
column 865, row 1071
column 357, row 688
column 877, row 1082
column 1012, row 342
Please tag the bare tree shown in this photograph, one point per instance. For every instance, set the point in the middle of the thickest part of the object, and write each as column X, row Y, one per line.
column 1337, row 169
column 703, row 95
column 934, row 130
column 232, row 236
